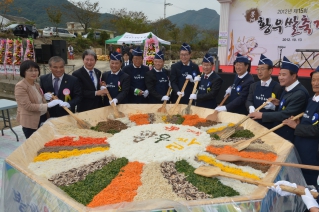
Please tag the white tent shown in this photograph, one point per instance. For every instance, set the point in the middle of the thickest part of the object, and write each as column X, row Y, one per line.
column 131, row 38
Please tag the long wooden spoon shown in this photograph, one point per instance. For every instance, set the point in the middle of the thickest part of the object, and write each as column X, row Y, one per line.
column 228, row 131
column 211, row 171
column 82, row 124
column 175, row 110
column 117, row 113
column 163, row 108
column 187, row 110
column 240, row 145
column 214, row 115
column 233, row 158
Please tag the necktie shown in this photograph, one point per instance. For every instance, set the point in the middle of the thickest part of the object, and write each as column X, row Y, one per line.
column 56, row 86
column 91, row 75
column 126, row 64
column 263, row 83
column 206, row 77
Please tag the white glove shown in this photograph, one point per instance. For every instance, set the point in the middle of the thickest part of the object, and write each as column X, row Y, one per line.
column 276, row 188
column 193, row 96
column 113, row 101
column 270, row 106
column 65, row 104
column 54, row 103
column 251, row 109
column 190, row 78
column 102, row 87
column 145, row 94
column 221, row 108
column 228, row 91
column 196, row 79
column 308, row 199
column 48, row 96
column 165, row 98
column 180, row 93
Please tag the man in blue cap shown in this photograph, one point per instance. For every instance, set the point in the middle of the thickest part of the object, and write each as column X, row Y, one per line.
column 138, row 92
column 116, row 81
column 293, row 100
column 209, row 85
column 182, row 70
column 260, row 91
column 157, row 81
column 240, row 89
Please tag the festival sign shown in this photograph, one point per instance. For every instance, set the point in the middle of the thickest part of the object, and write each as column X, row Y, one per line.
column 271, row 27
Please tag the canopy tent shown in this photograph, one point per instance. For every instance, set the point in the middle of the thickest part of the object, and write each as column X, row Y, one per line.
column 130, row 38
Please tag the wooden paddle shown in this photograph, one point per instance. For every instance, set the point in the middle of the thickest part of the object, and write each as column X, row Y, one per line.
column 117, row 113
column 81, row 123
column 228, row 131
column 175, row 110
column 163, row 108
column 214, row 115
column 211, row 171
column 240, row 145
column 187, row 110
column 233, row 158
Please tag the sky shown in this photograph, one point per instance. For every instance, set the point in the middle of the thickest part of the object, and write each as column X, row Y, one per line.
column 154, row 9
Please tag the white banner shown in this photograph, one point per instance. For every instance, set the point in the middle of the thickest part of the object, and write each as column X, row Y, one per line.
column 271, row 26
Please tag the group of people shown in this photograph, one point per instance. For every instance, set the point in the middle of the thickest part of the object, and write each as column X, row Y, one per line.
column 129, row 81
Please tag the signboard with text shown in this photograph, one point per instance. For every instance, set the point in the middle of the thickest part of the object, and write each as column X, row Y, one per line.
column 271, row 26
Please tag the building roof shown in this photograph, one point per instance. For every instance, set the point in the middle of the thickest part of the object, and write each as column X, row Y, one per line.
column 13, row 18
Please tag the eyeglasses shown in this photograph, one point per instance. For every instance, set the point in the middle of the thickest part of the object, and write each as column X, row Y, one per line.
column 32, row 70
column 261, row 69
column 184, row 55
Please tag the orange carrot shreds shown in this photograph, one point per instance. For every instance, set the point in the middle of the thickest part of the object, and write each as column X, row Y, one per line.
column 123, row 187
column 192, row 120
column 140, row 119
column 69, row 141
column 231, row 150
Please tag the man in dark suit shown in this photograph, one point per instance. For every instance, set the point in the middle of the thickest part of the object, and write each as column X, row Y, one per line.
column 209, row 85
column 182, row 70
column 293, row 100
column 260, row 91
column 89, row 79
column 157, row 81
column 138, row 91
column 116, row 81
column 64, row 86
column 126, row 60
column 239, row 90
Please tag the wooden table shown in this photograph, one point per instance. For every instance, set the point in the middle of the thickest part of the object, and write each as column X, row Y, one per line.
column 6, row 104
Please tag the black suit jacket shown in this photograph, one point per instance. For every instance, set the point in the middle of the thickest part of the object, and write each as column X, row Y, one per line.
column 215, row 86
column 295, row 103
column 68, row 82
column 125, row 84
column 237, row 105
column 308, row 131
column 277, row 90
column 123, row 63
column 89, row 100
column 150, row 81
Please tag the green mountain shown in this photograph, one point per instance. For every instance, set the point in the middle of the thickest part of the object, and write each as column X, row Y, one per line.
column 204, row 18
column 35, row 10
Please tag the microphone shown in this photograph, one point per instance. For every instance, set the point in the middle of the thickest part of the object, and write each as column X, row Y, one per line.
column 281, row 47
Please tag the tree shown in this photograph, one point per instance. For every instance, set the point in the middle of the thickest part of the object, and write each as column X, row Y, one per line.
column 209, row 39
column 4, row 9
column 163, row 28
column 130, row 21
column 86, row 13
column 189, row 33
column 55, row 15
column 175, row 34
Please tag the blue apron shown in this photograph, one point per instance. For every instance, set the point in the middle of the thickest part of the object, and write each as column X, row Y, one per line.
column 308, row 147
column 113, row 85
column 138, row 81
column 203, row 88
column 186, row 70
column 285, row 131
column 235, row 92
column 161, row 86
column 261, row 95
